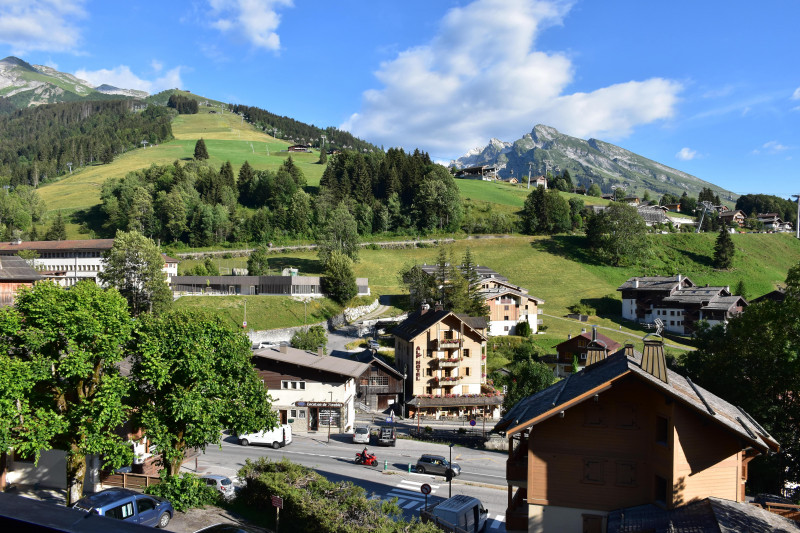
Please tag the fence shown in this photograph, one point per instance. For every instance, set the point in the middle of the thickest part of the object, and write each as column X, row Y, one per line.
column 128, row 481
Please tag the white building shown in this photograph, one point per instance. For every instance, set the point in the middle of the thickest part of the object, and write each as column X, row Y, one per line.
column 67, row 262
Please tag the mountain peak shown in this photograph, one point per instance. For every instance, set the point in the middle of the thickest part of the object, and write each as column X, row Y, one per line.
column 546, row 149
column 11, row 61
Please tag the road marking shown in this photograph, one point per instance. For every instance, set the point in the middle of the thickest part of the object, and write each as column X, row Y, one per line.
column 415, row 485
column 412, row 504
column 406, row 495
column 499, row 519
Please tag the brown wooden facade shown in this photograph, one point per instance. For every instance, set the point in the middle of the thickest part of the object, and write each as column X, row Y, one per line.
column 380, row 386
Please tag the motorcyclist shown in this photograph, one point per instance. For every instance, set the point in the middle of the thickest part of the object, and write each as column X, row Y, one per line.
column 364, row 455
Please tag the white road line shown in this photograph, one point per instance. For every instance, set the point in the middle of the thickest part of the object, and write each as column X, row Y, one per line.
column 415, row 484
column 410, row 496
column 497, row 521
column 410, row 505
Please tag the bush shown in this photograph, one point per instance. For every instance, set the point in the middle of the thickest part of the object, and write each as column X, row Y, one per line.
column 428, row 429
column 582, row 309
column 184, row 491
column 523, row 329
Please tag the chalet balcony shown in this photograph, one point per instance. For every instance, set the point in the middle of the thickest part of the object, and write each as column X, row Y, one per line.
column 448, row 343
column 449, row 362
column 447, row 381
column 517, row 471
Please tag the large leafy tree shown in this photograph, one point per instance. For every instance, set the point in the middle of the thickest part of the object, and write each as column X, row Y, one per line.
column 754, row 362
column 339, row 282
column 528, row 377
column 724, row 250
column 194, row 378
column 61, row 387
column 134, row 266
column 258, row 263
column 618, row 235
column 340, row 234
column 310, row 338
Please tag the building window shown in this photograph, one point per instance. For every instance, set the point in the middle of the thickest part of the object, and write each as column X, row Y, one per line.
column 301, row 414
column 293, row 385
column 505, row 308
column 465, row 351
column 428, row 390
column 660, row 490
column 583, row 356
column 466, row 371
column 593, row 471
column 448, row 335
column 505, row 317
column 505, row 328
column 662, row 430
column 625, row 474
column 429, row 372
column 672, row 313
column 293, row 413
column 379, row 380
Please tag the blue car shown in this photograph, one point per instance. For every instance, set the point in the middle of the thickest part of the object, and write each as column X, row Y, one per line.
column 128, row 505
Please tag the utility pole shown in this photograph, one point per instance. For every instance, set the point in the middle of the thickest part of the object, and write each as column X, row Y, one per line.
column 530, row 171
column 797, row 223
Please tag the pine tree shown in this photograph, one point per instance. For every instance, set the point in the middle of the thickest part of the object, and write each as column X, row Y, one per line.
column 58, row 231
column 200, row 151
column 724, row 250
column 323, row 156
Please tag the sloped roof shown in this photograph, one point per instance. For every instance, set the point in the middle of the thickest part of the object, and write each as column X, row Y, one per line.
column 709, row 515
column 417, row 323
column 654, row 283
column 697, row 295
column 423, row 401
column 489, row 294
column 601, row 376
column 14, row 268
column 326, row 363
column 85, row 244
column 610, row 343
column 368, row 357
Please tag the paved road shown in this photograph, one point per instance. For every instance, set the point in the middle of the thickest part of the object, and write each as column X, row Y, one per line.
column 483, row 472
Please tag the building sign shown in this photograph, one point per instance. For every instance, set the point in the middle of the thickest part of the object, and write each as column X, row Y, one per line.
column 320, row 404
column 418, row 369
column 330, row 417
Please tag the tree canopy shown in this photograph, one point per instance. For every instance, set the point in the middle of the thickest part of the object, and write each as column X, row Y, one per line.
column 134, row 266
column 61, row 387
column 200, row 150
column 258, row 263
column 339, row 281
column 194, row 378
column 339, row 234
column 618, row 235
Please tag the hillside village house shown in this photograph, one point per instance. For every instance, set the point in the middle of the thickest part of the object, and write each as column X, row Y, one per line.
column 67, row 262
column 773, row 222
column 624, row 432
column 310, row 391
column 733, row 218
column 15, row 272
column 445, row 354
column 509, row 304
column 381, row 385
column 483, row 172
column 577, row 347
column 677, row 302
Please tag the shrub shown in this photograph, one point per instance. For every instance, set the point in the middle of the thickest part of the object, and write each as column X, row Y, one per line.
column 524, row 329
column 428, row 429
column 462, row 431
column 184, row 491
column 582, row 309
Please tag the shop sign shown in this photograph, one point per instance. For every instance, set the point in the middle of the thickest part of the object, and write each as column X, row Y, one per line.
column 324, row 404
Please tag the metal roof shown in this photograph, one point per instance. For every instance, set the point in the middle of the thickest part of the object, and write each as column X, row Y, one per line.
column 14, row 268
column 47, row 246
column 307, row 359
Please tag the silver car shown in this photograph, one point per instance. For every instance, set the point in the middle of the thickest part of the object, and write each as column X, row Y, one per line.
column 361, row 435
column 221, row 483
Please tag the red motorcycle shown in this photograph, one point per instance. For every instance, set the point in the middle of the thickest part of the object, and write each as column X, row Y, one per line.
column 370, row 459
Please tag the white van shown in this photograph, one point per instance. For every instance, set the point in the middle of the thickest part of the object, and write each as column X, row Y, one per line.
column 461, row 511
column 280, row 436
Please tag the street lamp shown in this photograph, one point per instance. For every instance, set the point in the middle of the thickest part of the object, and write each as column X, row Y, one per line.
column 405, row 374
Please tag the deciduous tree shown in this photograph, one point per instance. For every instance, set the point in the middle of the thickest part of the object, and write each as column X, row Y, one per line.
column 257, row 263
column 340, row 234
column 528, row 377
column 134, row 266
column 339, row 281
column 618, row 235
column 60, row 386
column 194, row 378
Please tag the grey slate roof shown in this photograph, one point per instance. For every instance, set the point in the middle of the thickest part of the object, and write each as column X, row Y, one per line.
column 14, row 268
column 698, row 295
column 619, row 366
column 476, row 401
column 306, row 359
column 654, row 283
column 493, row 293
column 710, row 515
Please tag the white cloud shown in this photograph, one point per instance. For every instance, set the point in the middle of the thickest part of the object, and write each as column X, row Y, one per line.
column 50, row 25
column 255, row 21
column 796, row 94
column 774, row 147
column 122, row 77
column 156, row 65
column 686, row 154
column 464, row 87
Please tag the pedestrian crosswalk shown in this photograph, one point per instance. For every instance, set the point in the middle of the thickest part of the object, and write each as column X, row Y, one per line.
column 409, row 498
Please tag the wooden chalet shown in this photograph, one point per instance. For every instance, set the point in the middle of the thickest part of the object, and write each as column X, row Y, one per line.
column 623, row 432
column 381, row 385
column 15, row 273
column 482, row 172
column 579, row 346
column 733, row 218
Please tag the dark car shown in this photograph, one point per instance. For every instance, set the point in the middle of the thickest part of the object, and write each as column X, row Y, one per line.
column 387, row 436
column 436, row 464
column 128, row 505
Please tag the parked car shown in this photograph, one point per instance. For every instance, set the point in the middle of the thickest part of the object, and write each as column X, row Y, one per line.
column 461, row 511
column 436, row 464
column 219, row 482
column 280, row 436
column 128, row 505
column 267, row 344
column 361, row 435
column 387, row 436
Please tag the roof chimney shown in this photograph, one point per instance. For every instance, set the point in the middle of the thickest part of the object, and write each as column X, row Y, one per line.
column 653, row 360
column 320, row 350
column 569, row 336
column 596, row 350
column 635, row 283
column 284, row 348
column 438, row 306
column 628, row 349
column 424, row 308
column 679, row 278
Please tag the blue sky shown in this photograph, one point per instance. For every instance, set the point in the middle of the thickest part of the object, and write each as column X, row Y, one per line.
column 710, row 88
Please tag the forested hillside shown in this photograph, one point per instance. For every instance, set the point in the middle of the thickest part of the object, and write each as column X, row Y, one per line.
column 39, row 144
column 299, row 132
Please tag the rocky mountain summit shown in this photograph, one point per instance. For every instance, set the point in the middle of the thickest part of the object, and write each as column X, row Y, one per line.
column 27, row 85
column 545, row 149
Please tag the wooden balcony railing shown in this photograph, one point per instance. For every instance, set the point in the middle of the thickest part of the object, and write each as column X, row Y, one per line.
column 448, row 343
